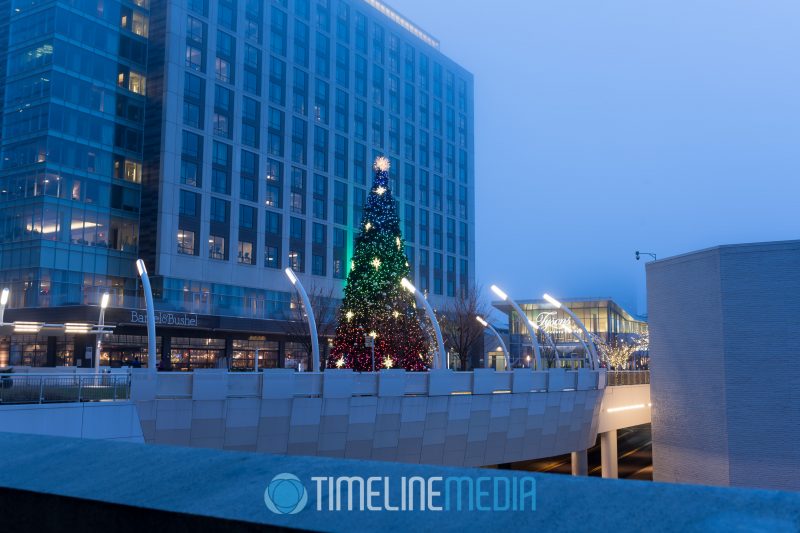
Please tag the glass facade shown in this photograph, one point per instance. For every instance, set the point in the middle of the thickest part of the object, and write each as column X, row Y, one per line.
column 602, row 317
column 235, row 144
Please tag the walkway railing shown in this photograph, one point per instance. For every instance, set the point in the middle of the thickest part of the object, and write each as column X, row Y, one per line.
column 50, row 388
column 618, row 378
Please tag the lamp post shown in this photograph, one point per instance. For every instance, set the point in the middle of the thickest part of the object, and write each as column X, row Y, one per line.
column 312, row 324
column 3, row 303
column 151, row 316
column 548, row 338
column 488, row 326
column 100, row 322
column 592, row 348
column 536, row 352
column 442, row 355
column 579, row 339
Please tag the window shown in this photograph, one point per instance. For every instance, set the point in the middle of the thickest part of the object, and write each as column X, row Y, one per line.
column 297, row 196
column 189, row 204
column 297, row 229
column 248, row 176
column 186, row 242
column 318, row 236
column 272, row 257
column 136, row 82
column 190, row 173
column 247, row 217
column 194, row 58
column 318, row 265
column 245, row 255
column 216, row 248
column 220, row 210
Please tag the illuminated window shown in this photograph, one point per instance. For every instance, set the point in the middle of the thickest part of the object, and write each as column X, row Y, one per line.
column 246, row 253
column 136, row 82
column 133, row 171
column 216, row 247
column 186, row 242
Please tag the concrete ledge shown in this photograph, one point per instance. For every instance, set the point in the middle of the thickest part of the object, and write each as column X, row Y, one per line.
column 69, row 484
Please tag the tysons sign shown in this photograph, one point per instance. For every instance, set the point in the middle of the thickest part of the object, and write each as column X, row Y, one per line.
column 549, row 322
column 165, row 318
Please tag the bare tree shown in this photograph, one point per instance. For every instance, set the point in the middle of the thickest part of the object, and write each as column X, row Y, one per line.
column 324, row 304
column 461, row 330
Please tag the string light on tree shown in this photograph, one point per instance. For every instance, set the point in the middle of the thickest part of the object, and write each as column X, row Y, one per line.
column 374, row 301
column 340, row 362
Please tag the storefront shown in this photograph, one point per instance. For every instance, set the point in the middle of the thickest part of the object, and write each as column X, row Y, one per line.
column 605, row 319
column 184, row 341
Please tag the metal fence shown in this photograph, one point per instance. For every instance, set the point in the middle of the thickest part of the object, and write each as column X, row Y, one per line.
column 628, row 377
column 48, row 388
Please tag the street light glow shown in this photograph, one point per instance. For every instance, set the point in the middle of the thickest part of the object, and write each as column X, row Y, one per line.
column 407, row 285
column 500, row 293
column 4, row 297
column 104, row 300
column 552, row 300
column 27, row 327
column 140, row 267
column 482, row 321
column 73, row 327
column 290, row 274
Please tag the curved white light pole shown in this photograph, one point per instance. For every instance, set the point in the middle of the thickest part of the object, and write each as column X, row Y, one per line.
column 151, row 316
column 3, row 303
column 580, row 339
column 592, row 348
column 531, row 332
column 548, row 338
column 312, row 323
column 442, row 355
column 488, row 326
column 101, row 322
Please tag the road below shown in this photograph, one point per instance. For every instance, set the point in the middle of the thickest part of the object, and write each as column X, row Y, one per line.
column 634, row 449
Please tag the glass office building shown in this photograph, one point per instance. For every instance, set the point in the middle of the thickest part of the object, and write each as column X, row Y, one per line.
column 603, row 317
column 220, row 141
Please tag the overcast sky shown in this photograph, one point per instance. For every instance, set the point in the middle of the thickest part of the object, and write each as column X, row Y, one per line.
column 603, row 127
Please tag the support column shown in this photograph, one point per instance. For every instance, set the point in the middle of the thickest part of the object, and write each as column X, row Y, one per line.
column 608, row 454
column 580, row 463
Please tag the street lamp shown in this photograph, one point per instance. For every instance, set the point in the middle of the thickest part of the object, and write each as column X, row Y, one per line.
column 101, row 322
column 547, row 337
column 3, row 303
column 312, row 324
column 488, row 326
column 592, row 348
column 442, row 355
column 151, row 316
column 536, row 352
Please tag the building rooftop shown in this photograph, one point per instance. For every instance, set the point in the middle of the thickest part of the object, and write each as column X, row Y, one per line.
column 409, row 26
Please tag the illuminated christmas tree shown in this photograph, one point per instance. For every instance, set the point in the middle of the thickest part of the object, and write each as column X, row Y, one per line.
column 374, row 301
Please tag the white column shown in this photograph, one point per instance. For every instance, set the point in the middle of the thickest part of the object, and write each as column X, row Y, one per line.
column 608, row 454
column 580, row 463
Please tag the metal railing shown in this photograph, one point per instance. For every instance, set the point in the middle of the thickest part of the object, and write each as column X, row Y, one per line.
column 49, row 388
column 616, row 378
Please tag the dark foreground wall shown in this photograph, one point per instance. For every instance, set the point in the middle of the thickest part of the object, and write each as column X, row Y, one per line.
column 61, row 484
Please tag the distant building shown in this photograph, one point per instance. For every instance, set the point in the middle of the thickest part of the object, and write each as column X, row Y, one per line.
column 221, row 142
column 603, row 317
